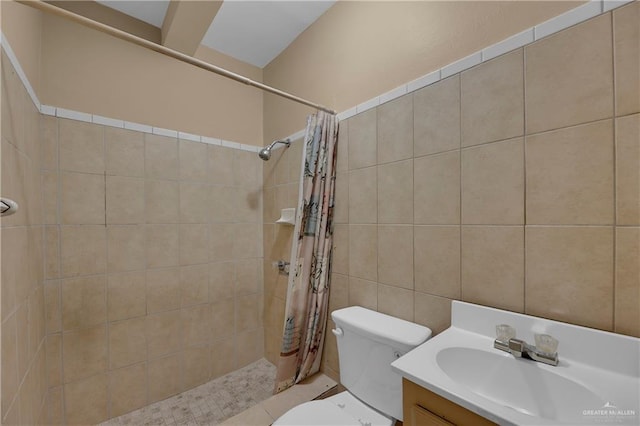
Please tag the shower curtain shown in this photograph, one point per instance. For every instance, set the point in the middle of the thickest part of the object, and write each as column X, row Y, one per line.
column 308, row 286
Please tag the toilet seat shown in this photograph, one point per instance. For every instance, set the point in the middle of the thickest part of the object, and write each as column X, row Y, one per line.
column 319, row 413
column 342, row 409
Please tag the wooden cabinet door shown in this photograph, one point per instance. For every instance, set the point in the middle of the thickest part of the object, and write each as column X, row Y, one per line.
column 421, row 417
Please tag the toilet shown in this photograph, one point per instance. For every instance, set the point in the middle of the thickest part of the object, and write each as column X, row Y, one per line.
column 368, row 342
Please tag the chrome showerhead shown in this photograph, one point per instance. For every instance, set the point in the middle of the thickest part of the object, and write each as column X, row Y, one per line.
column 265, row 153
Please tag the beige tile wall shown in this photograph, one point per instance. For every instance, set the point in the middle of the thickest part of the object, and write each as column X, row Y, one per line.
column 153, row 266
column 513, row 184
column 23, row 375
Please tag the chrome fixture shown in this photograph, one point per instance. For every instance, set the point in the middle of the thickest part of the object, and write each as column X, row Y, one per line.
column 7, row 207
column 282, row 265
column 544, row 351
column 265, row 153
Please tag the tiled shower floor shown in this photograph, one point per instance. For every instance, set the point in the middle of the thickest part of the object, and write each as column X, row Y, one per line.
column 208, row 404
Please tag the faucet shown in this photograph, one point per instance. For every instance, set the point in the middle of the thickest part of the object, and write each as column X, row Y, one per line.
column 544, row 351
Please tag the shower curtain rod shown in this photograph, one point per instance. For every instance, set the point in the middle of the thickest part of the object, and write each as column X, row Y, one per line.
column 46, row 7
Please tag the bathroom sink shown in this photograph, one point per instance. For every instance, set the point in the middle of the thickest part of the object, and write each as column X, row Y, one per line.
column 597, row 379
column 521, row 384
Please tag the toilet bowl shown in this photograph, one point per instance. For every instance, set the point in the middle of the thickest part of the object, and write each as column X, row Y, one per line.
column 368, row 342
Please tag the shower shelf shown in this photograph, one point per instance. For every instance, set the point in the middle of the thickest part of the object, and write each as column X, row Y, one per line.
column 287, row 217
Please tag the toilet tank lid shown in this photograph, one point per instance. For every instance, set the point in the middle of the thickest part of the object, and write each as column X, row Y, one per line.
column 382, row 326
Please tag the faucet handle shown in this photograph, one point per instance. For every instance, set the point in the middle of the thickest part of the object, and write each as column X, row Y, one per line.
column 504, row 332
column 546, row 343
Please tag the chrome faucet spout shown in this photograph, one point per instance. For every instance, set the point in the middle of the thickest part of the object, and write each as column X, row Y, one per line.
column 521, row 349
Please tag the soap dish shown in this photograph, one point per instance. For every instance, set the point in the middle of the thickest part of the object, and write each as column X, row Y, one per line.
column 287, row 217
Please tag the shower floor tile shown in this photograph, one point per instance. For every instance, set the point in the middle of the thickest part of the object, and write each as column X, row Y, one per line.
column 208, row 404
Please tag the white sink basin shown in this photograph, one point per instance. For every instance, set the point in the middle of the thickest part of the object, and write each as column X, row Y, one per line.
column 597, row 380
column 518, row 383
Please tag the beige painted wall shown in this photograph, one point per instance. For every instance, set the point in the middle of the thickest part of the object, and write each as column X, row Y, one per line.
column 88, row 71
column 358, row 50
column 22, row 26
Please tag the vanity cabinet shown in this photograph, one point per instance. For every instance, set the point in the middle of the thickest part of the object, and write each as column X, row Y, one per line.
column 422, row 407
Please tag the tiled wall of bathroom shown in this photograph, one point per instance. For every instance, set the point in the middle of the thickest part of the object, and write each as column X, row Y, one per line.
column 153, row 266
column 23, row 324
column 514, row 184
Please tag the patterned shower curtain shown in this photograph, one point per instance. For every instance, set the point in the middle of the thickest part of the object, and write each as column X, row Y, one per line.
column 307, row 304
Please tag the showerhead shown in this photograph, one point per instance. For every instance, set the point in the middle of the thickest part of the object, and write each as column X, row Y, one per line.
column 265, row 153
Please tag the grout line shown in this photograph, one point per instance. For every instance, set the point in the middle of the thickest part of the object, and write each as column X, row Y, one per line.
column 524, row 178
column 614, row 159
column 460, row 176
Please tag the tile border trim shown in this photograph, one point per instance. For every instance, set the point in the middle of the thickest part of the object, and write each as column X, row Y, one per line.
column 552, row 26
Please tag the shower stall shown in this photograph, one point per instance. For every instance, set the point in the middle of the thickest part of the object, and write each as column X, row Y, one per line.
column 138, row 263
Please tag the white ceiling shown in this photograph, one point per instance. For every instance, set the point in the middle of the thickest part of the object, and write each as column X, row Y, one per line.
column 253, row 31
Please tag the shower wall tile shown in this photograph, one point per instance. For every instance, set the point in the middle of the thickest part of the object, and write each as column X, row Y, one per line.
column 363, row 251
column 163, row 336
column 161, row 157
column 569, row 76
column 557, row 255
column 493, row 266
column 570, row 175
column 82, row 199
column 125, row 248
column 436, row 117
column 86, row 401
column 627, row 171
column 126, row 295
column 162, row 201
column 81, row 147
column 437, row 260
column 626, row 37
column 436, row 186
column 194, row 203
column 395, row 255
column 84, row 352
column 492, row 96
column 363, row 142
column 82, row 250
column 84, row 302
column 194, row 244
column 127, row 344
column 395, row 130
column 52, row 307
column 49, row 143
column 342, row 162
column 395, row 192
column 194, row 285
column 493, row 183
column 363, row 195
column 193, row 161
column 125, row 200
column 221, row 281
column 220, row 165
column 128, row 389
column 124, row 152
column 164, row 379
column 196, row 324
column 627, row 287
column 363, row 293
column 196, row 366
column 163, row 289
column 162, row 245
column 396, row 302
column 432, row 311
column 50, row 197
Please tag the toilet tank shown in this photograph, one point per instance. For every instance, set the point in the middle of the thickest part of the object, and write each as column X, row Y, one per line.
column 368, row 342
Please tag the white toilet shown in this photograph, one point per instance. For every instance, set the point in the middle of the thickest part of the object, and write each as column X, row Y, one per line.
column 368, row 342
